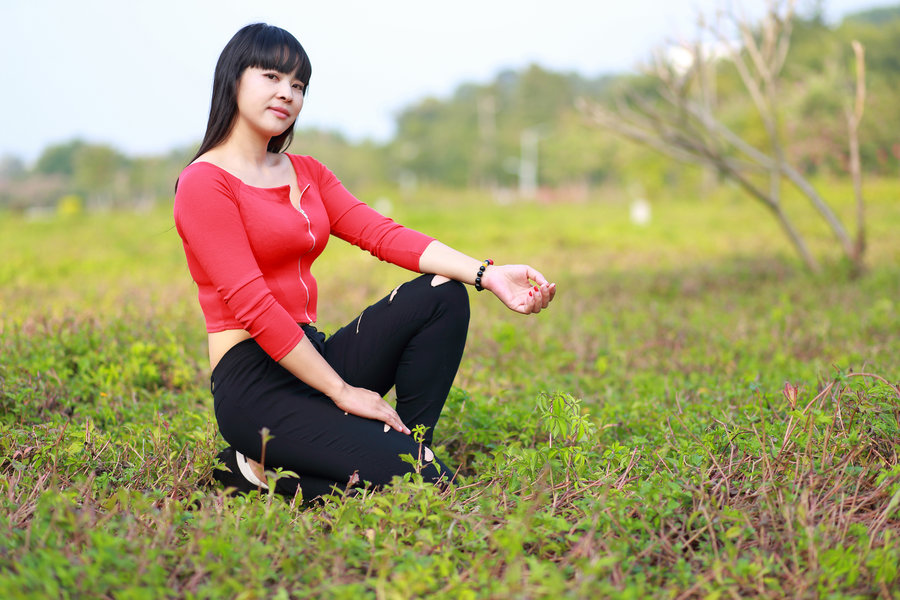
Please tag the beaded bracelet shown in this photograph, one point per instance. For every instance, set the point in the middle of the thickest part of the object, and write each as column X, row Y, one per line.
column 484, row 265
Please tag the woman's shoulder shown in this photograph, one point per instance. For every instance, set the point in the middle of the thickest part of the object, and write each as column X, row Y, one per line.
column 208, row 164
column 201, row 183
column 304, row 161
column 312, row 168
column 203, row 171
column 202, row 168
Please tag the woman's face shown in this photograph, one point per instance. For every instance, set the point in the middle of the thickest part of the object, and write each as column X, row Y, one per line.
column 268, row 101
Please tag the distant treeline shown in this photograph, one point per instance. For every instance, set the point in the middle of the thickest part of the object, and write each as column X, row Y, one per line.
column 477, row 136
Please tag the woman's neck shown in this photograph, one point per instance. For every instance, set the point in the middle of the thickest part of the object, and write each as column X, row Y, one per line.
column 246, row 149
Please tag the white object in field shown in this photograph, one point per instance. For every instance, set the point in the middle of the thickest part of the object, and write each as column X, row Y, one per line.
column 640, row 212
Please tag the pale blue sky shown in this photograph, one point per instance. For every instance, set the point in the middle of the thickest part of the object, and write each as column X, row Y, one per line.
column 137, row 75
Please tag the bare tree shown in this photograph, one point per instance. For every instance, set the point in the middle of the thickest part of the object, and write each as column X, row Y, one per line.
column 679, row 119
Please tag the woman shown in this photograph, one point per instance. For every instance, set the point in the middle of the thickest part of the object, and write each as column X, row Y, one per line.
column 252, row 220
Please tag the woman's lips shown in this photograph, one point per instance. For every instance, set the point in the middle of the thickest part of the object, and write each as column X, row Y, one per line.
column 282, row 113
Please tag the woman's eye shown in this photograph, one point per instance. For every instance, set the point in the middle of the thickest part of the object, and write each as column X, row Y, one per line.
column 298, row 87
column 272, row 76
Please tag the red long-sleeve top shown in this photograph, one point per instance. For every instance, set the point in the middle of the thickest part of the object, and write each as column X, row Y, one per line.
column 250, row 251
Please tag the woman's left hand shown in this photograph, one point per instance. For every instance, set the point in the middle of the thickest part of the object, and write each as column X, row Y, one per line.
column 519, row 287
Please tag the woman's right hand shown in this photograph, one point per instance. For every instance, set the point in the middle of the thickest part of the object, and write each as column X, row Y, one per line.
column 520, row 287
column 368, row 404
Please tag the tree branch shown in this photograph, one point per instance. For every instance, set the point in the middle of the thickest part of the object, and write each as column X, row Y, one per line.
column 684, row 127
column 853, row 119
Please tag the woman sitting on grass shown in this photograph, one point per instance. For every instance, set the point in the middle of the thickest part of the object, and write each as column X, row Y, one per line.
column 253, row 219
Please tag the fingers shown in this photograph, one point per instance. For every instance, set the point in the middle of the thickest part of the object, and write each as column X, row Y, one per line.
column 540, row 302
column 539, row 297
column 392, row 420
column 536, row 276
column 370, row 405
column 527, row 291
column 547, row 293
column 552, row 290
column 397, row 426
column 544, row 291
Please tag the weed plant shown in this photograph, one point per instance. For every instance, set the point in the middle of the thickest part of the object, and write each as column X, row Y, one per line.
column 694, row 417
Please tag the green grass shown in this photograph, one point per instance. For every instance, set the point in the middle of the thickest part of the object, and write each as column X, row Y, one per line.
column 694, row 416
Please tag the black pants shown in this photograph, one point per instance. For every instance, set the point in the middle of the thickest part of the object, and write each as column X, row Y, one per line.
column 412, row 339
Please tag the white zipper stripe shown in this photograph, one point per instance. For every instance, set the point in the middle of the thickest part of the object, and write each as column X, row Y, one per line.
column 299, row 262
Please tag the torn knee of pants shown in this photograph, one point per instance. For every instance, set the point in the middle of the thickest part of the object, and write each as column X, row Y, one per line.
column 438, row 280
column 427, row 454
column 394, row 293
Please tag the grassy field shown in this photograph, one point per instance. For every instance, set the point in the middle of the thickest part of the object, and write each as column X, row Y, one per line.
column 695, row 417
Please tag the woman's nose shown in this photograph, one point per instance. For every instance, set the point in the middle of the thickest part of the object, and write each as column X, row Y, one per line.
column 286, row 91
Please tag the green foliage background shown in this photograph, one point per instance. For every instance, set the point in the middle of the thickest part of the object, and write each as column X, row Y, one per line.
column 637, row 439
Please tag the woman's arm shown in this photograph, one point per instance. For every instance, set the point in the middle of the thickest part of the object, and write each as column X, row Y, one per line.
column 357, row 223
column 216, row 241
column 305, row 363
column 519, row 287
column 221, row 259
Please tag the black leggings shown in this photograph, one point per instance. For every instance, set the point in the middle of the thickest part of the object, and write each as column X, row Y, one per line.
column 412, row 339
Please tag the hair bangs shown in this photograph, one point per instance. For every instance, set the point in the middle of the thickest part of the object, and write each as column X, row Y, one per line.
column 278, row 50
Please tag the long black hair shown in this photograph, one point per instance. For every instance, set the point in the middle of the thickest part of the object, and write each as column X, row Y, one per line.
column 258, row 45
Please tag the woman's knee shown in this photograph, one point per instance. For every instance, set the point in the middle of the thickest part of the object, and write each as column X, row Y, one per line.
column 448, row 297
column 452, row 294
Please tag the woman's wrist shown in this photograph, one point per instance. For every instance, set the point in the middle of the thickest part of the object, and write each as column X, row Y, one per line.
column 482, row 273
column 336, row 390
column 489, row 279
